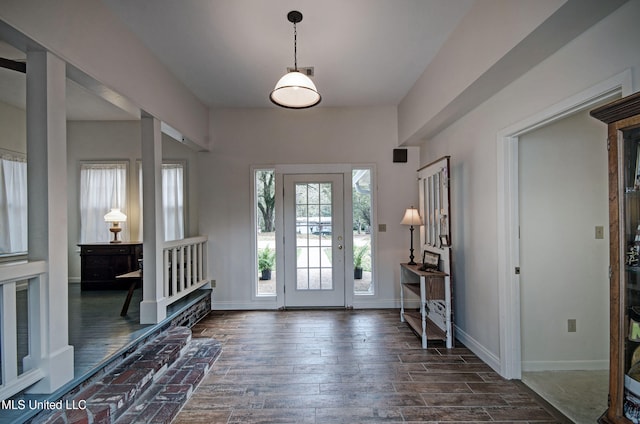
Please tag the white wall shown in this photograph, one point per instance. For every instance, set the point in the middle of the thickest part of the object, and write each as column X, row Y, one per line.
column 13, row 122
column 564, row 268
column 85, row 34
column 604, row 50
column 243, row 138
column 496, row 42
column 479, row 42
column 118, row 140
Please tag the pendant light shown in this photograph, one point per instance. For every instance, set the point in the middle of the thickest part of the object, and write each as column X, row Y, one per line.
column 295, row 90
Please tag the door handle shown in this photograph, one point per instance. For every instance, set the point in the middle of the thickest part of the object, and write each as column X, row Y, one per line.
column 339, row 247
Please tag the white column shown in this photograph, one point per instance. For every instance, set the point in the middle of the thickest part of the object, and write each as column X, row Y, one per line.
column 153, row 307
column 47, row 196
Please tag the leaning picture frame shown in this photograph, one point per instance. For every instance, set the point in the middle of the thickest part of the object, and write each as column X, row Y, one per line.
column 430, row 261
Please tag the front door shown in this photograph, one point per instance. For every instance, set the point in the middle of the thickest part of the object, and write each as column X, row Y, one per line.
column 314, row 240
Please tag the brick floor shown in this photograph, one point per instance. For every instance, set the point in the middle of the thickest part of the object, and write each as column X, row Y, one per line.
column 150, row 386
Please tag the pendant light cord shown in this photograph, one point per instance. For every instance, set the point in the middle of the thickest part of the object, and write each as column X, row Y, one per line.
column 295, row 48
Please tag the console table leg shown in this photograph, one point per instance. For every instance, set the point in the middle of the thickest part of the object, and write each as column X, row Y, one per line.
column 127, row 301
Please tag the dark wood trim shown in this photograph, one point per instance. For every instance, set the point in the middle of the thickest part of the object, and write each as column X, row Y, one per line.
column 623, row 114
column 618, row 110
column 435, row 161
column 13, row 65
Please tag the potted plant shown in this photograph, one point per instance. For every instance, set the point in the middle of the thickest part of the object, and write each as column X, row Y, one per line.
column 266, row 262
column 359, row 253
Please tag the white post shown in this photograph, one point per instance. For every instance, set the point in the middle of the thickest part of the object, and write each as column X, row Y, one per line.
column 153, row 307
column 9, row 367
column 47, row 196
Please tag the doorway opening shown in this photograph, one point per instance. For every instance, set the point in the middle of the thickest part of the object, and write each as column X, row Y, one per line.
column 509, row 282
column 563, row 211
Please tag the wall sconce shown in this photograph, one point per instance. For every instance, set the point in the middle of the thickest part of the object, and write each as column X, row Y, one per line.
column 115, row 216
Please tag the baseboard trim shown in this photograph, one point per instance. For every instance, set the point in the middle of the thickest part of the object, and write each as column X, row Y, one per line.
column 481, row 352
column 580, row 365
column 271, row 304
column 242, row 306
column 363, row 303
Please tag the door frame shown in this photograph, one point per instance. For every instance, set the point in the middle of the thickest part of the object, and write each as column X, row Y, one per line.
column 509, row 363
column 345, row 169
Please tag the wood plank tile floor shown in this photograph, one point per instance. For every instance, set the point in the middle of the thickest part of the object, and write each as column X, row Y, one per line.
column 341, row 366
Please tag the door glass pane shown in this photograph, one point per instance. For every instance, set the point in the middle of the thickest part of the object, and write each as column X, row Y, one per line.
column 362, row 207
column 313, row 238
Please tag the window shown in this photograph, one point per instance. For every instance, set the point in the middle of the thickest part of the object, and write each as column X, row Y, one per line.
column 13, row 204
column 103, row 186
column 173, row 200
column 265, row 201
column 362, row 238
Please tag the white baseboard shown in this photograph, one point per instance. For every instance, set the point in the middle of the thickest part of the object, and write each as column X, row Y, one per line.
column 582, row 365
column 481, row 352
column 242, row 306
column 361, row 302
column 271, row 304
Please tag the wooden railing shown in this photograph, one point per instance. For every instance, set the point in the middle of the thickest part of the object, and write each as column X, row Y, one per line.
column 21, row 339
column 185, row 267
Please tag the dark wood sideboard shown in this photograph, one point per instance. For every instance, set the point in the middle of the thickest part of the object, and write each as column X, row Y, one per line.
column 102, row 262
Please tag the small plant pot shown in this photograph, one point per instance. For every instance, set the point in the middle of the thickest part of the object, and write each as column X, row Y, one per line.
column 357, row 273
column 265, row 274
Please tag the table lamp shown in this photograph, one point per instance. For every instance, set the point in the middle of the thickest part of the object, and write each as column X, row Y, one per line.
column 411, row 217
column 115, row 216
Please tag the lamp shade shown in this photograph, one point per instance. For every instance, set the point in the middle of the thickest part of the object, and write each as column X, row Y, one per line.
column 295, row 90
column 411, row 217
column 115, row 215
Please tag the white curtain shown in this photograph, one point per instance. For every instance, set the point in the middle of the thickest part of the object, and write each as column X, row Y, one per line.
column 13, row 204
column 103, row 186
column 172, row 201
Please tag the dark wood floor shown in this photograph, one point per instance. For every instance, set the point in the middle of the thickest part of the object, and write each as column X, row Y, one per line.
column 359, row 366
column 96, row 329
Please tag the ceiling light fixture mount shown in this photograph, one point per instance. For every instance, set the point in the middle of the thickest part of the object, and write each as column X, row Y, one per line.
column 295, row 90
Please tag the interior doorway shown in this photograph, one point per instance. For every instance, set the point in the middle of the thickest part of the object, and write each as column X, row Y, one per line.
column 563, row 214
column 508, row 209
column 508, row 242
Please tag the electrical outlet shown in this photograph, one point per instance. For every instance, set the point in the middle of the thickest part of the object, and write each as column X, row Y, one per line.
column 599, row 232
column 382, row 228
column 571, row 326
column 213, row 284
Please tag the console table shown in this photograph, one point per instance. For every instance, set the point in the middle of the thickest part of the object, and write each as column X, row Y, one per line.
column 102, row 262
column 433, row 321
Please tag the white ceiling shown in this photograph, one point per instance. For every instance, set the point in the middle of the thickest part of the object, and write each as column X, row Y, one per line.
column 230, row 53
